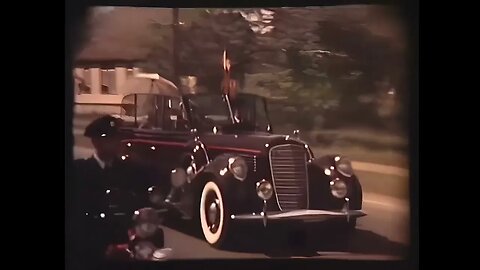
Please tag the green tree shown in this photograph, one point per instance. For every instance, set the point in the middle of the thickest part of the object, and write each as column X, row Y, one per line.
column 202, row 42
column 370, row 59
column 341, row 47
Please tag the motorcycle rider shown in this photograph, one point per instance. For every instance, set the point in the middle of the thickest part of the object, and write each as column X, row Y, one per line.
column 105, row 185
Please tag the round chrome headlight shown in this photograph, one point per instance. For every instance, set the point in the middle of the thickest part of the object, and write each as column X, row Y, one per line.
column 238, row 167
column 338, row 188
column 344, row 166
column 146, row 222
column 264, row 190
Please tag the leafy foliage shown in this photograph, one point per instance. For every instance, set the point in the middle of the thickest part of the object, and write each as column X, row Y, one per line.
column 201, row 46
column 324, row 63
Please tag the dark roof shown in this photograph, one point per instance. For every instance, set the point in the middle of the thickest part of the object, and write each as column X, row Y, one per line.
column 107, row 53
column 119, row 36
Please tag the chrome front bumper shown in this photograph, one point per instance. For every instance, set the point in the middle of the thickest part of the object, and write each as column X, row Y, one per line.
column 302, row 215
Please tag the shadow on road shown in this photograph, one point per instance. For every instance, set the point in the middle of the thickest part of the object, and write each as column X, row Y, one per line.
column 287, row 241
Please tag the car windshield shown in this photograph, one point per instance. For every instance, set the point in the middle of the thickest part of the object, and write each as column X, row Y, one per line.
column 212, row 110
column 250, row 110
column 209, row 111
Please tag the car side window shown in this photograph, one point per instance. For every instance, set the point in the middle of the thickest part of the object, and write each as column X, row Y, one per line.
column 149, row 111
column 174, row 117
column 142, row 110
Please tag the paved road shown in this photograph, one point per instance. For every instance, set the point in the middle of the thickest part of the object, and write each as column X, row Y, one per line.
column 383, row 235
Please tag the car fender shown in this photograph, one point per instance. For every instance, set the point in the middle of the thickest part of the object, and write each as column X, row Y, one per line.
column 319, row 168
column 217, row 170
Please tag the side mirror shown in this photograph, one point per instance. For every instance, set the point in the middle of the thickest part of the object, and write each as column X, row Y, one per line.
column 178, row 177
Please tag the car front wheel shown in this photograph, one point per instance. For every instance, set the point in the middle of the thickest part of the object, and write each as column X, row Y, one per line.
column 214, row 218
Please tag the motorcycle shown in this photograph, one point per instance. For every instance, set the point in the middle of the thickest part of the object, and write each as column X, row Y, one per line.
column 133, row 234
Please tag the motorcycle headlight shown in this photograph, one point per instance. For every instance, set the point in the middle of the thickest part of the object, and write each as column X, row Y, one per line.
column 146, row 222
column 344, row 166
column 238, row 167
column 144, row 250
column 264, row 190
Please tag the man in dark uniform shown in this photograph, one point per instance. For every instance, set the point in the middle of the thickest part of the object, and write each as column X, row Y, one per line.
column 108, row 188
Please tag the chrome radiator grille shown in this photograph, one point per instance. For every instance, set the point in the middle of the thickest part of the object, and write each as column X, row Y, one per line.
column 289, row 174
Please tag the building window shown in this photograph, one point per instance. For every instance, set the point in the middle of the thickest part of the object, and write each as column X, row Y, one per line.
column 129, row 73
column 82, row 81
column 108, row 81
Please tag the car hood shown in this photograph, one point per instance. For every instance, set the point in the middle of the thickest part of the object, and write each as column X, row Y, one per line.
column 245, row 143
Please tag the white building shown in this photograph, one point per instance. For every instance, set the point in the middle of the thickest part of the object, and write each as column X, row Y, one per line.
column 112, row 55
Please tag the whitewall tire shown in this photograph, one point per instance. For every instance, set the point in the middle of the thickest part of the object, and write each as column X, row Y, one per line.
column 213, row 214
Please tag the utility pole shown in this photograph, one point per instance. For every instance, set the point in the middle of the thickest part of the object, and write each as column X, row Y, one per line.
column 175, row 24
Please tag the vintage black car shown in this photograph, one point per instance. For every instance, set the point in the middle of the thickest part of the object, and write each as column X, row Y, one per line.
column 219, row 162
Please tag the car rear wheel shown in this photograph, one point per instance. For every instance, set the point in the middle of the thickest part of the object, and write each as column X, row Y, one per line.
column 214, row 218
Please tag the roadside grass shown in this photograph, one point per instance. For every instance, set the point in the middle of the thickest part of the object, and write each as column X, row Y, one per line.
column 359, row 153
column 388, row 185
